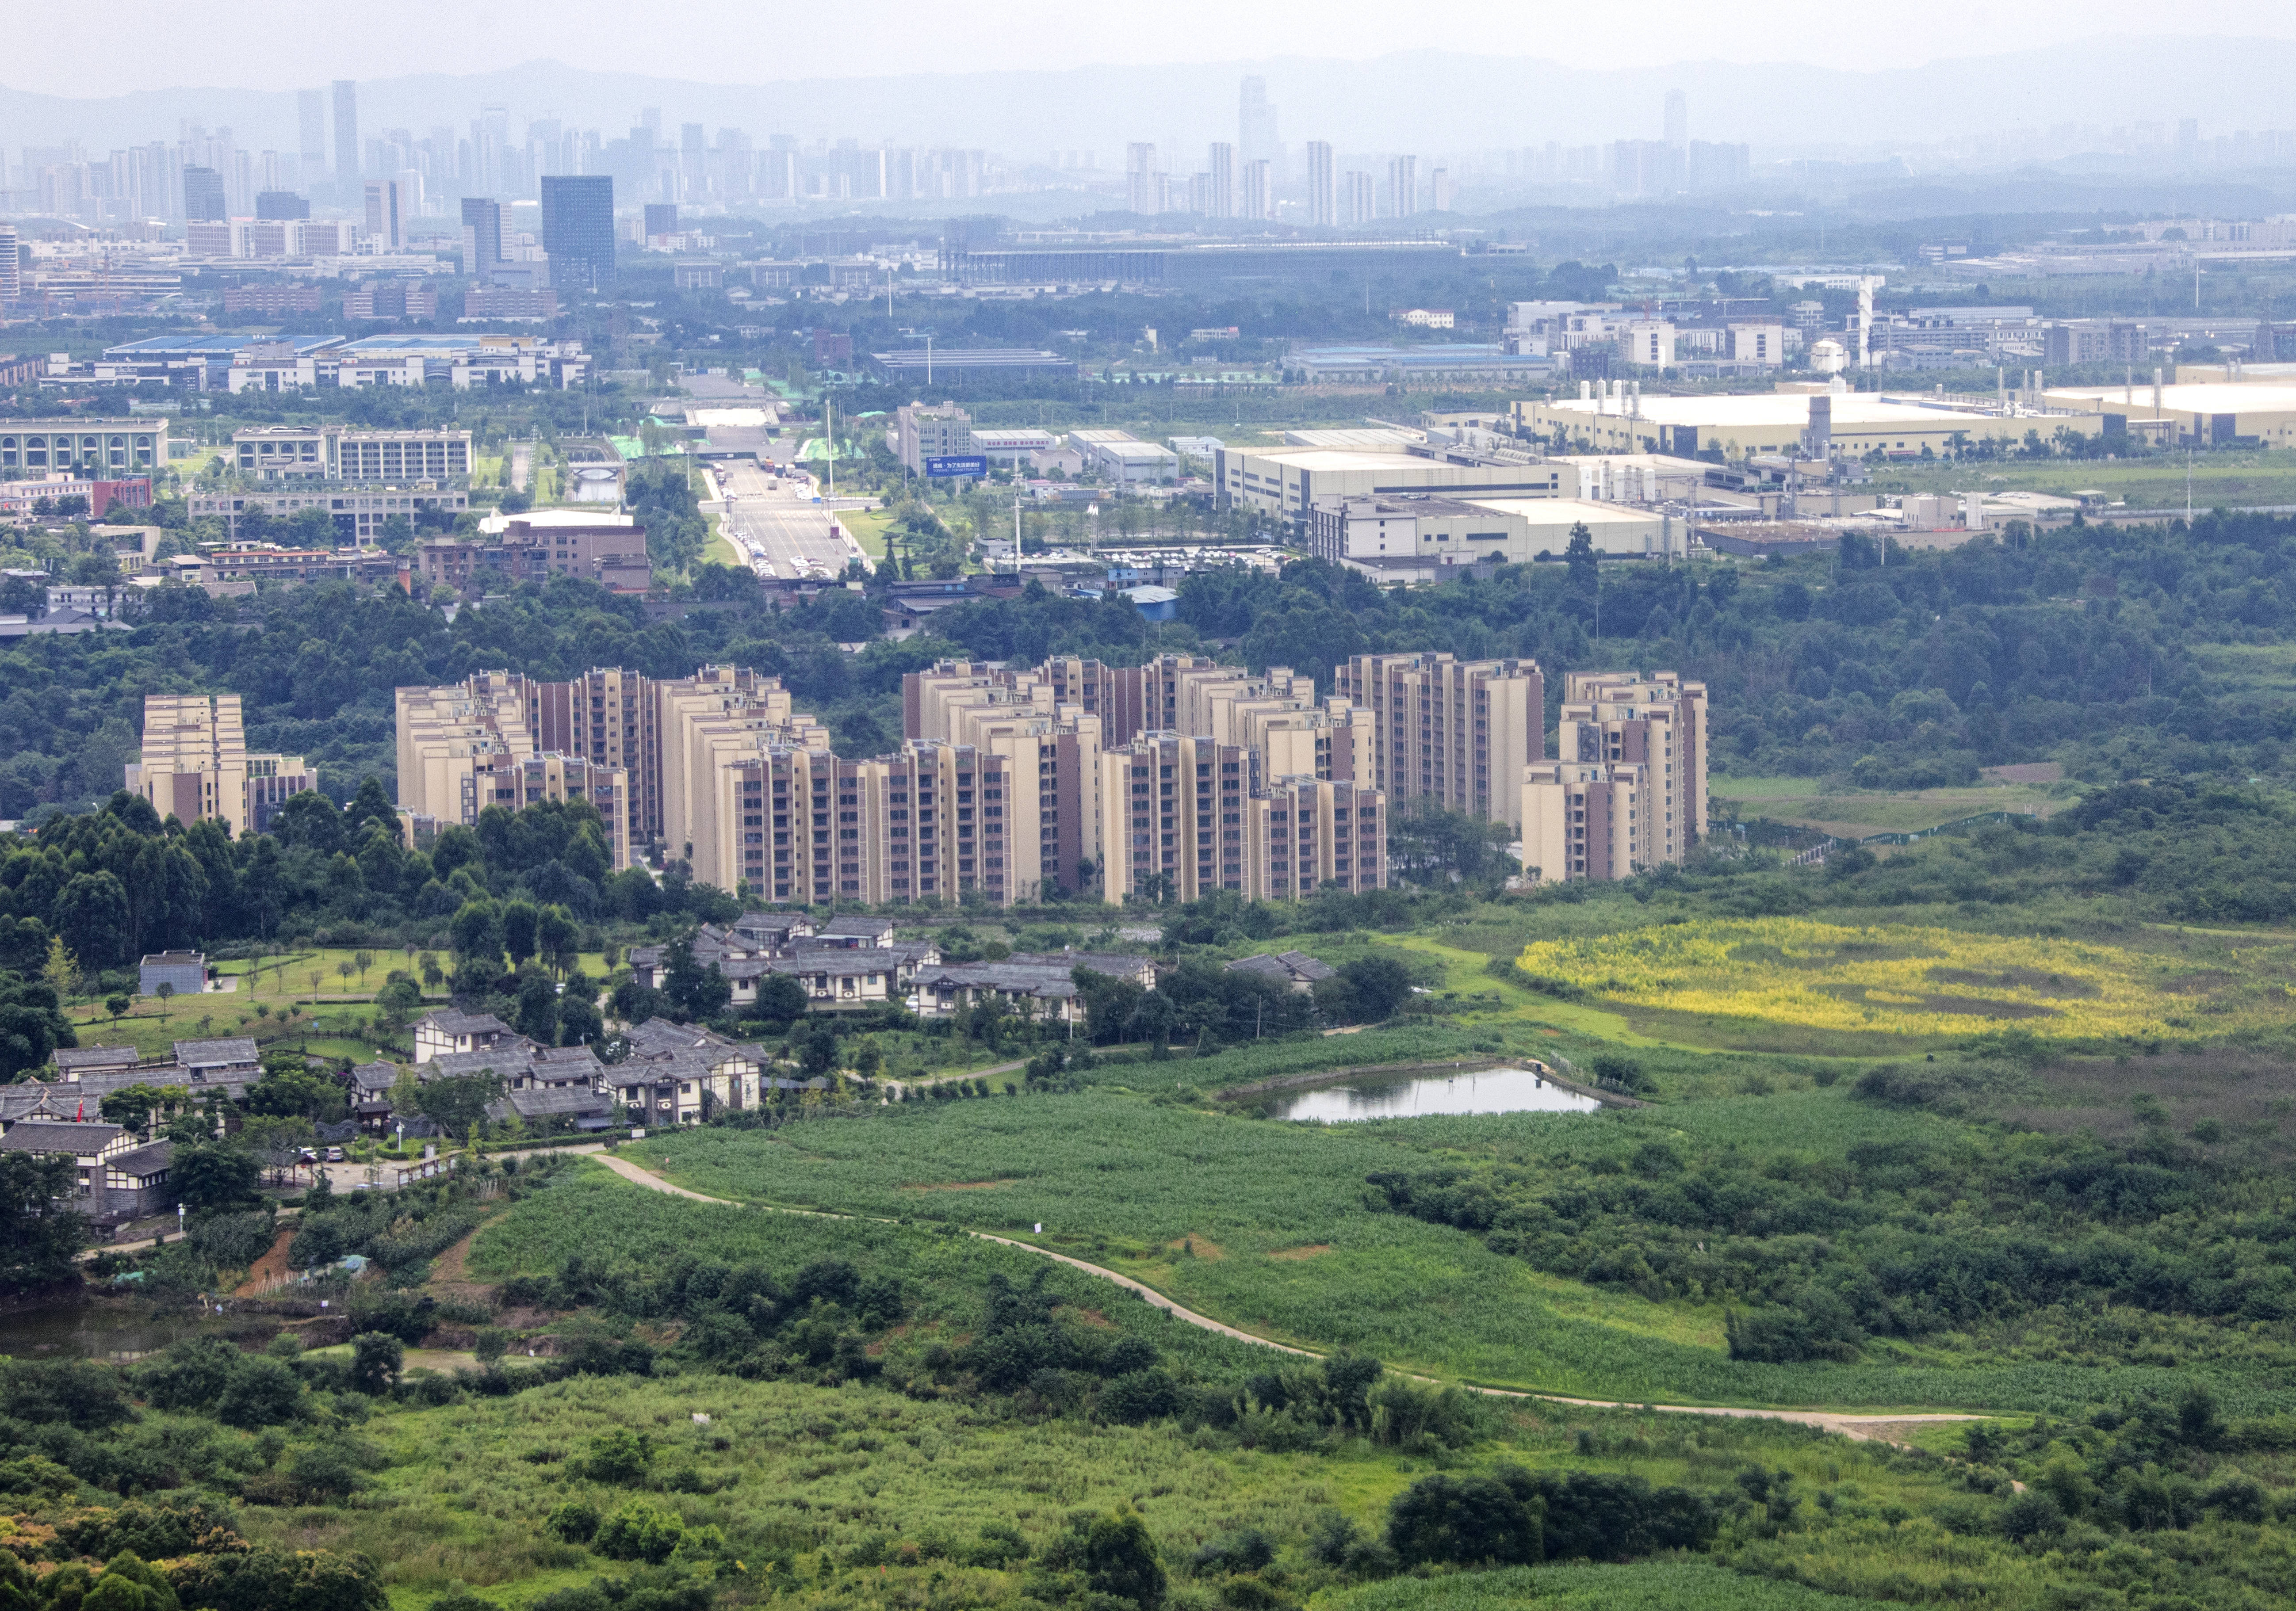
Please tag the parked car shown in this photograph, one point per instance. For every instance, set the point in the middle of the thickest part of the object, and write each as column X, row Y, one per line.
column 335, row 1155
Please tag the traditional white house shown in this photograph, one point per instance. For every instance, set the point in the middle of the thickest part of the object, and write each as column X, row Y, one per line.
column 681, row 1074
column 446, row 1031
column 118, row 1176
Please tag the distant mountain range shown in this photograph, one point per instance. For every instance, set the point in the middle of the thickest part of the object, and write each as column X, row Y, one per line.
column 1428, row 101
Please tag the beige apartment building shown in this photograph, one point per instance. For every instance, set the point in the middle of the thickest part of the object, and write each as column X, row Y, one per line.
column 1454, row 732
column 195, row 763
column 932, row 821
column 1583, row 820
column 469, row 745
column 1627, row 790
column 1199, row 813
column 1659, row 722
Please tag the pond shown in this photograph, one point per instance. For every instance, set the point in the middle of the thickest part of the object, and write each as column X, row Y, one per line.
column 1479, row 1090
column 119, row 1330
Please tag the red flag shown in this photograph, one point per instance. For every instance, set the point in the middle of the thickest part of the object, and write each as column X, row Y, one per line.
column 79, row 1115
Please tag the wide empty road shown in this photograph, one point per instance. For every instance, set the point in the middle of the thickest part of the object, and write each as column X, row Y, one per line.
column 780, row 530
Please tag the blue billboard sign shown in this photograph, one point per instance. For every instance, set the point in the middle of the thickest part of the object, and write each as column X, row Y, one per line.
column 975, row 465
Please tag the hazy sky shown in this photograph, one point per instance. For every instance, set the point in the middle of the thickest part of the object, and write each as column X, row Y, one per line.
column 280, row 44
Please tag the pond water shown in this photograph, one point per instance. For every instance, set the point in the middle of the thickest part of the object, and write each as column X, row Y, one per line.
column 1482, row 1091
column 119, row 1330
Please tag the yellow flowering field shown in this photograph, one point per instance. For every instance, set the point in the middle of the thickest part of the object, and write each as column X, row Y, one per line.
column 1902, row 979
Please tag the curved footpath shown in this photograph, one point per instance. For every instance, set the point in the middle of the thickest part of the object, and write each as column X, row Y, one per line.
column 1874, row 1429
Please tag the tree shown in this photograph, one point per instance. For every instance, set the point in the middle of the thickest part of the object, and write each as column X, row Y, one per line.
column 520, row 921
column 291, row 1089
column 60, row 970
column 44, row 1234
column 166, row 992
column 459, row 1103
column 116, row 1006
column 780, row 998
column 209, row 1178
column 692, row 991
column 364, row 960
column 556, row 938
column 32, row 1024
column 343, row 971
column 1115, row 1554
column 376, row 1357
column 133, row 1105
column 537, row 1007
column 475, row 931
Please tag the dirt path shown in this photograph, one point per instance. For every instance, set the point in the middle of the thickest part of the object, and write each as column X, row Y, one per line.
column 271, row 1267
column 1874, row 1429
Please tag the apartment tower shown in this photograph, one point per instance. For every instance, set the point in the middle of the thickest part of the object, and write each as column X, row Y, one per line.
column 195, row 763
column 1454, row 732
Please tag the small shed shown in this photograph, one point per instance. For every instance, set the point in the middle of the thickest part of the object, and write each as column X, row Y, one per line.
column 183, row 972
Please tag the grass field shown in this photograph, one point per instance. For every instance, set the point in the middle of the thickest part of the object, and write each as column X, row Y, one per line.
column 1201, row 1205
column 848, row 1497
column 311, row 981
column 1856, row 814
column 868, row 528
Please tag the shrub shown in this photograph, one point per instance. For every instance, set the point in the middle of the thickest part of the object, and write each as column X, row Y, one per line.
column 1464, row 1520
column 640, row 1532
column 619, row 1456
column 1138, row 1396
column 576, row 1522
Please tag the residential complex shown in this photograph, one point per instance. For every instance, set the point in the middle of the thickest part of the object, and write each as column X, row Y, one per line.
column 1006, row 786
column 195, row 763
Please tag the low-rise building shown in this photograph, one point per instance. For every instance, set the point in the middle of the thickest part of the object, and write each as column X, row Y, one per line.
column 98, row 449
column 360, row 516
column 183, row 972
column 338, row 453
column 1443, row 531
column 1123, row 458
column 1295, row 970
column 927, row 430
column 606, row 549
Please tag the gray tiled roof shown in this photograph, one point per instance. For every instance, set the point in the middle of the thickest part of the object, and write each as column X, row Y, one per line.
column 96, row 1056
column 148, row 1159
column 195, row 1054
column 54, row 1135
column 448, row 1021
column 374, row 1076
column 1111, row 963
